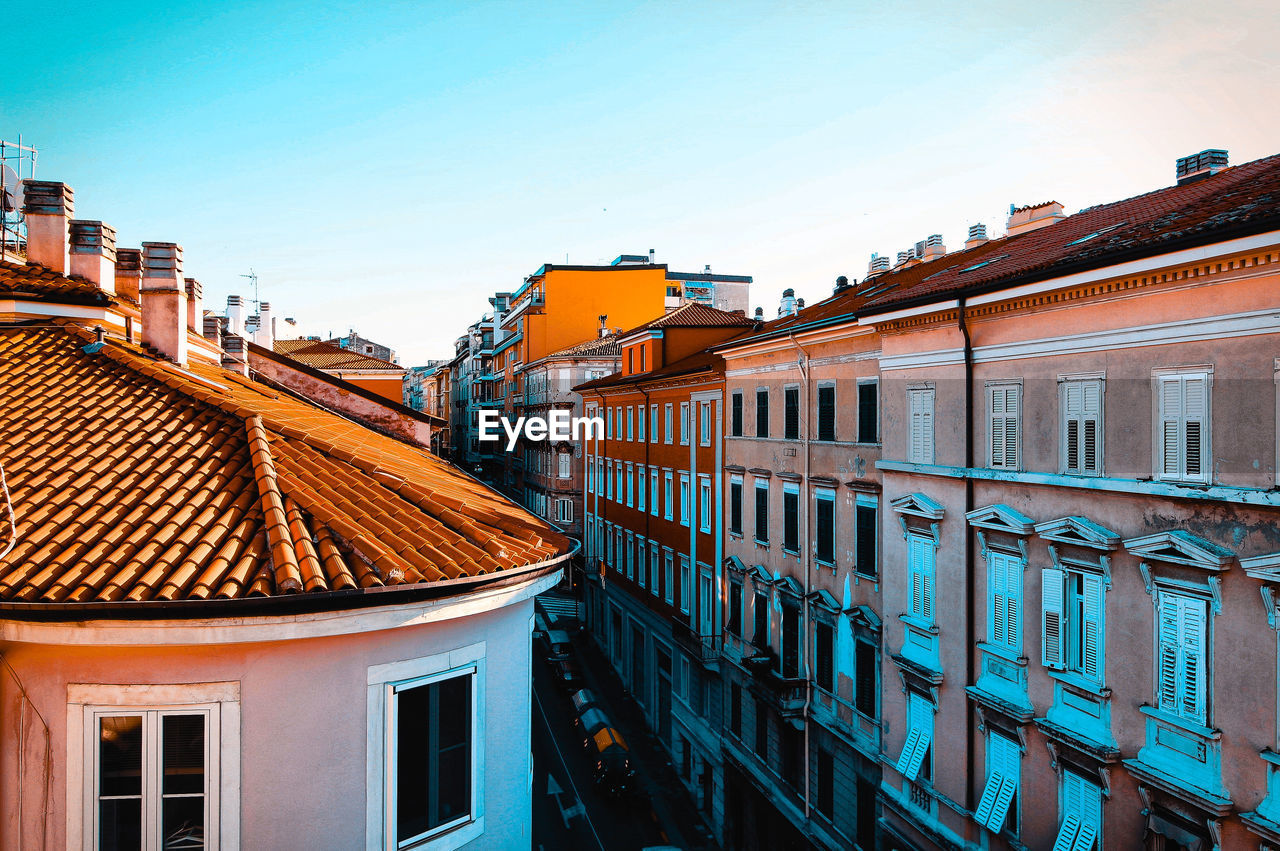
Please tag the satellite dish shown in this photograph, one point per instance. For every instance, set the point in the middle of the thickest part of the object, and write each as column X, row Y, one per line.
column 11, row 199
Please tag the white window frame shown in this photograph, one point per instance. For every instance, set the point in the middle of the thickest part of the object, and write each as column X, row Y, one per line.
column 1071, row 620
column 641, row 413
column 670, row 496
column 641, row 484
column 920, row 414
column 704, row 503
column 629, row 475
column 704, row 423
column 1081, row 400
column 1080, row 804
column 919, row 736
column 654, row 566
column 565, row 465
column 1004, row 776
column 684, row 423
column 668, row 414
column 1004, row 426
column 630, row 554
column 564, row 510
column 685, row 500
column 685, row 579
column 220, row 701
column 653, row 491
column 380, row 745
column 653, row 423
column 1162, row 419
column 631, row 414
column 668, row 572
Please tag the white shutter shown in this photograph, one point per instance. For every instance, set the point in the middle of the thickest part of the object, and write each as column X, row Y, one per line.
column 1085, row 838
column 1013, row 601
column 1081, row 814
column 1170, row 407
column 920, row 719
column 1090, row 426
column 999, row 600
column 908, row 751
column 1005, row 757
column 1195, row 406
column 1192, row 628
column 1167, row 646
column 915, row 567
column 995, row 780
column 1004, row 404
column 1091, row 627
column 921, row 426
column 1067, row 833
column 1052, row 582
column 1073, row 408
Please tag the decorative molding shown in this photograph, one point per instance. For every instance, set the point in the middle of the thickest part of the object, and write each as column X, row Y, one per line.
column 1001, row 518
column 918, row 505
column 1078, row 531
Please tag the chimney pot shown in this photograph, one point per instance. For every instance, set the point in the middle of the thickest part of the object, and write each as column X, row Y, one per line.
column 48, row 207
column 235, row 315
column 212, row 327
column 195, row 304
column 651, row 256
column 264, row 335
column 977, row 235
column 93, row 253
column 1199, row 166
column 163, row 295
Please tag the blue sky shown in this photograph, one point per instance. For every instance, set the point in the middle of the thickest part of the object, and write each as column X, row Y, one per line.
column 387, row 166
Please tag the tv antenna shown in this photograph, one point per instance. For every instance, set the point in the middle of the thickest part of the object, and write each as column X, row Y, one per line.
column 17, row 163
column 253, row 276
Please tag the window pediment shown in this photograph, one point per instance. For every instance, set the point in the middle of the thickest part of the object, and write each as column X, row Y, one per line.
column 918, row 505
column 824, row 599
column 1266, row 569
column 1078, row 531
column 1180, row 547
column 1001, row 518
column 864, row 616
column 790, row 585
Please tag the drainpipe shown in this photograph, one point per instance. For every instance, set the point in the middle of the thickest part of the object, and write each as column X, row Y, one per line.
column 970, row 744
column 806, row 562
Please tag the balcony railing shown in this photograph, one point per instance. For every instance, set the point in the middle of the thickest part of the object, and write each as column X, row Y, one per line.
column 704, row 648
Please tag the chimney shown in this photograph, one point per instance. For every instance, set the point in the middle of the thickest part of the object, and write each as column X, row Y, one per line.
column 877, row 265
column 799, row 304
column 651, row 254
column 195, row 305
column 977, row 235
column 93, row 253
column 933, row 247
column 164, row 309
column 1033, row 217
column 759, row 317
column 706, row 270
column 787, row 307
column 235, row 354
column 264, row 336
column 48, row 208
column 235, row 315
column 1199, row 166
column 212, row 327
column 604, row 330
column 842, row 284
column 128, row 272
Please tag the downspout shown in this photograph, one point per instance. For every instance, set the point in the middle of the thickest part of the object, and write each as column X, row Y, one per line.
column 969, row 595
column 806, row 562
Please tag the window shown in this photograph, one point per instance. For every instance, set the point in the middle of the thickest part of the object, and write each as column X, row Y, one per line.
column 865, row 535
column 631, row 360
column 920, row 567
column 1004, row 601
column 704, row 423
column 591, row 475
column 735, row 504
column 1081, row 403
column 666, row 478
column 653, row 424
column 1180, row 655
column 868, row 412
column 684, row 423
column 762, row 412
column 735, row 414
column 762, row 730
column 630, row 483
column 734, row 615
column 704, row 503
column 1004, row 404
column 608, row 481
column 760, row 616
column 826, row 412
column 791, row 517
column 866, row 674
column 564, row 510
column 790, row 656
column 653, row 489
column 823, row 656
column 685, row 508
column 608, row 422
column 1081, row 814
column 631, row 421
column 686, row 582
column 913, row 762
column 640, row 415
column 643, row 351
column 1071, row 621
column 640, row 487
column 153, row 772
column 1182, row 433
column 762, row 511
column 826, row 783
column 998, row 804
column 920, row 408
column 654, row 567
column 735, row 710
column 618, row 471
column 824, row 545
column 424, row 778
column 667, row 422
column 565, row 461
column 631, row 557
column 668, row 593
column 791, row 413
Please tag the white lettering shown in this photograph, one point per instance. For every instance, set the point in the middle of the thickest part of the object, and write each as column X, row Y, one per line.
column 559, row 425
column 535, row 428
column 513, row 434
column 488, row 420
column 594, row 428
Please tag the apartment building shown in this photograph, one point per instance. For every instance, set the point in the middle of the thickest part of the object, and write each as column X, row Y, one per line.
column 554, row 473
column 1080, row 525
column 653, row 515
column 379, row 376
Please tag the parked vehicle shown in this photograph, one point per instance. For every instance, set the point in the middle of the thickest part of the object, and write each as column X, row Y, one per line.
column 589, row 723
column 582, row 700
column 567, row 674
column 613, row 771
column 556, row 644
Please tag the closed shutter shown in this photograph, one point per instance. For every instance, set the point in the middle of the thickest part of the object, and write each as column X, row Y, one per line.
column 1052, row 583
column 762, row 514
column 1195, row 424
column 865, row 678
column 824, row 638
column 826, row 530
column 1184, row 425
column 1082, row 413
column 1191, row 637
column 1081, row 814
column 869, row 412
column 1006, row 603
column 915, row 566
column 791, row 413
column 826, row 413
column 1091, row 626
column 1004, row 407
column 921, row 426
column 762, row 413
column 1181, row 656
column 735, row 415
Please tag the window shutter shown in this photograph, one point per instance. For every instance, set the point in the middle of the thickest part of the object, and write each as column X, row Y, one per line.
column 1091, row 591
column 1052, row 585
column 1091, row 419
column 1085, row 838
column 1012, row 600
column 1191, row 627
column 1067, row 833
column 995, row 781
column 926, row 426
column 908, row 752
column 999, row 600
column 1195, row 414
column 1167, row 653
column 1170, row 405
column 1073, row 408
column 1004, row 427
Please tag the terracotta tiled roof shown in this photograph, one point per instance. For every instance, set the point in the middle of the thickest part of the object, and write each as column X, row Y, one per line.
column 693, row 315
column 1239, row 200
column 19, row 280
column 133, row 480
column 595, row 347
column 321, row 355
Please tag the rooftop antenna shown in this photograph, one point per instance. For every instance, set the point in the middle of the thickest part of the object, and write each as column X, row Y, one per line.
column 253, row 276
column 17, row 163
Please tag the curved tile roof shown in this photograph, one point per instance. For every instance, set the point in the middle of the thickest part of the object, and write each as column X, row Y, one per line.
column 135, row 480
column 322, row 355
column 21, row 280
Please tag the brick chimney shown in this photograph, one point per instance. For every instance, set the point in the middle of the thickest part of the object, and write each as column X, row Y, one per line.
column 934, row 248
column 93, row 253
column 48, row 207
column 195, row 305
column 212, row 328
column 235, row 354
column 1033, row 217
column 128, row 272
column 164, row 308
column 235, row 315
